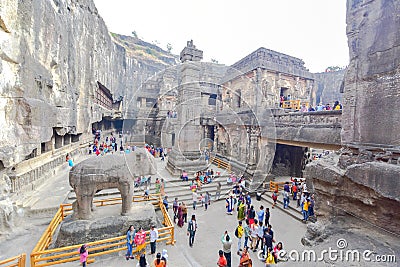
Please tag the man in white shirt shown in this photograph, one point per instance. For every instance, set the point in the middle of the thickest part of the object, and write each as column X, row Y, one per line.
column 153, row 239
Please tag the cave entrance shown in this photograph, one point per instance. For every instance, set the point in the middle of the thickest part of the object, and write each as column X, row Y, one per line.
column 289, row 160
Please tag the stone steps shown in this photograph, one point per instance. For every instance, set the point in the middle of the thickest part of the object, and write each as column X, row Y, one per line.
column 293, row 212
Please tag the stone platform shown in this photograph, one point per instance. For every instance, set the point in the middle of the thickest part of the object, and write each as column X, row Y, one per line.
column 107, row 223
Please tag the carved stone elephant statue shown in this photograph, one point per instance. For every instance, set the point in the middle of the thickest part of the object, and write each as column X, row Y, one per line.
column 109, row 171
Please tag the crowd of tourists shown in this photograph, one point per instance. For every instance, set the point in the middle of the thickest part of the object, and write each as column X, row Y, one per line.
column 321, row 107
column 136, row 247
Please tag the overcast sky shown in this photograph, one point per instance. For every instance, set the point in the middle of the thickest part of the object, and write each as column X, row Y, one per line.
column 228, row 30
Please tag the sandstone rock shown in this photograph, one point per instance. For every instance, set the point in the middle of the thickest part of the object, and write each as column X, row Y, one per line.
column 52, row 54
column 105, row 225
column 110, row 171
column 316, row 233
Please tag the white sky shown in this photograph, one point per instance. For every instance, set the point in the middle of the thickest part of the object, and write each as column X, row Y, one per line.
column 228, row 30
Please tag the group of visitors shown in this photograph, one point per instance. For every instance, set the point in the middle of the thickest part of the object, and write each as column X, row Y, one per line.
column 256, row 233
column 156, row 151
column 180, row 212
column 298, row 190
column 136, row 245
column 321, row 107
column 172, row 114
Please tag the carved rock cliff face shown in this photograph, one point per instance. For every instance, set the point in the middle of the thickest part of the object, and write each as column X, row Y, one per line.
column 363, row 178
column 52, row 54
column 372, row 82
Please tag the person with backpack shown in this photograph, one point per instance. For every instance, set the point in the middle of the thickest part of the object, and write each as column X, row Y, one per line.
column 164, row 256
column 191, row 230
column 83, row 255
column 239, row 233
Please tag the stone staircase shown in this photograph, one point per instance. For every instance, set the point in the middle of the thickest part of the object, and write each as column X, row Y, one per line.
column 180, row 189
column 174, row 188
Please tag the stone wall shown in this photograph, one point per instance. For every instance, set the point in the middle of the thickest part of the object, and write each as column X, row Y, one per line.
column 51, row 59
column 362, row 180
column 52, row 54
column 372, row 81
column 328, row 87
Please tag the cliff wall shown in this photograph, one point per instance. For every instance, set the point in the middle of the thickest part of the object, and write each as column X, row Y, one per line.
column 52, row 54
column 362, row 180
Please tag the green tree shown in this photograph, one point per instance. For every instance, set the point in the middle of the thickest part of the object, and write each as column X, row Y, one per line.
column 134, row 34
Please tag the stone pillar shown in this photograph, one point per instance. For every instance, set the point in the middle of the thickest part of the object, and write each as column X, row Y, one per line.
column 186, row 154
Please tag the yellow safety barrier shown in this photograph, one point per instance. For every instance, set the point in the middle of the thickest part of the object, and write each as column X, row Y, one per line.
column 42, row 256
column 17, row 261
column 222, row 164
column 292, row 104
column 273, row 186
column 276, row 186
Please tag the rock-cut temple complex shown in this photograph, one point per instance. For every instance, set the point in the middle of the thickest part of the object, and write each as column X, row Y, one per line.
column 61, row 83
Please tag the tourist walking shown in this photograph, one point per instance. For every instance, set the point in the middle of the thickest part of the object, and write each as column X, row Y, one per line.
column 83, row 255
column 260, row 235
column 306, row 204
column 184, row 212
column 130, row 236
column 241, row 211
column 143, row 261
column 158, row 186
column 247, row 233
column 267, row 216
column 206, row 200
column 229, row 205
column 140, row 242
column 260, row 214
column 285, row 199
column 180, row 215
column 239, row 233
column 162, row 187
column 175, row 206
column 153, row 239
column 194, row 198
column 251, row 215
column 222, row 261
column 226, row 247
column 191, row 230
column 274, row 197
column 245, row 260
column 218, row 193
column 158, row 262
column 254, row 231
column 164, row 256
column 165, row 202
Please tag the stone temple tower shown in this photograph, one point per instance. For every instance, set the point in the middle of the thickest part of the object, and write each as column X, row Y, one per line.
column 186, row 153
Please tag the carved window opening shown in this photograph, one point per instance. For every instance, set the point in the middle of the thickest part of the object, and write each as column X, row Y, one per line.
column 103, row 96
